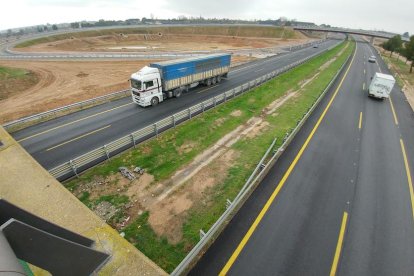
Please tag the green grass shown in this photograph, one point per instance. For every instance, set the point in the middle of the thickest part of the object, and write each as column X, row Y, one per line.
column 140, row 234
column 401, row 68
column 162, row 157
column 15, row 80
column 243, row 31
column 116, row 200
column 15, row 73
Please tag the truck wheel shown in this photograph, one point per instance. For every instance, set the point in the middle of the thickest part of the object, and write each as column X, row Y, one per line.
column 154, row 101
column 177, row 93
column 213, row 80
column 208, row 82
column 218, row 79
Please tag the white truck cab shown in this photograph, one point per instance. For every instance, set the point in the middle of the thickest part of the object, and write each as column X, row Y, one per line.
column 146, row 88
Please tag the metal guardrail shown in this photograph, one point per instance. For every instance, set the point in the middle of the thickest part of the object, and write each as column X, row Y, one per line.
column 83, row 162
column 258, row 174
column 301, row 46
column 10, row 126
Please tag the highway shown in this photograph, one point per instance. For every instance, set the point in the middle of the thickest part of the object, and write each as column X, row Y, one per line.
column 57, row 141
column 340, row 199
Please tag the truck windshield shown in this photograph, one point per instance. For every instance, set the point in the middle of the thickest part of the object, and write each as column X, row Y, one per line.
column 136, row 84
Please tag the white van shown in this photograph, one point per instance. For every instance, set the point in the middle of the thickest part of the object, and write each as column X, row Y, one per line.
column 381, row 86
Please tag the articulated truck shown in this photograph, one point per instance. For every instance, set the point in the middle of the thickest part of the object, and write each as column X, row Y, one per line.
column 162, row 80
column 381, row 86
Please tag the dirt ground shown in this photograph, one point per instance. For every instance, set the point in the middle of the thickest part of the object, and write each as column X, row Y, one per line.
column 61, row 83
column 159, row 43
column 64, row 82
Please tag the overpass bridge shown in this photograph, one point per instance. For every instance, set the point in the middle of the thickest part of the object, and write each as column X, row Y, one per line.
column 372, row 34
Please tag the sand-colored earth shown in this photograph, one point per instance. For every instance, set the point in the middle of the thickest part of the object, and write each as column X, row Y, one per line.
column 160, row 43
column 65, row 82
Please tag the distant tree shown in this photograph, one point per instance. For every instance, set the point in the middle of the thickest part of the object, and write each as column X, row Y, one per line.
column 393, row 44
column 54, row 27
column 409, row 52
column 406, row 34
column 21, row 32
column 40, row 29
column 9, row 32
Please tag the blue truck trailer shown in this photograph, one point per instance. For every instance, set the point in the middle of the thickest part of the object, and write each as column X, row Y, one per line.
column 162, row 80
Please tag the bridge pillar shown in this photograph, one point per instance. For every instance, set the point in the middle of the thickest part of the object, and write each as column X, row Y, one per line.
column 371, row 41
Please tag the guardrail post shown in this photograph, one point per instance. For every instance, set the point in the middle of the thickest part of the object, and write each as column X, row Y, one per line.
column 106, row 151
column 214, row 100
column 202, row 234
column 228, row 203
column 173, row 120
column 133, row 140
column 189, row 113
column 225, row 96
column 202, row 105
column 73, row 167
column 156, row 130
column 234, row 92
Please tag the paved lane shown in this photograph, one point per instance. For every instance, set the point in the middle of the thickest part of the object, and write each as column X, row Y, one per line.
column 343, row 173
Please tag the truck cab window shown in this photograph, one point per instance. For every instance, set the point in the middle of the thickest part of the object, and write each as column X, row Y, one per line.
column 149, row 84
column 136, row 84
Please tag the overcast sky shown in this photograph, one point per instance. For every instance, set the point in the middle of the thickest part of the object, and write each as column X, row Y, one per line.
column 395, row 16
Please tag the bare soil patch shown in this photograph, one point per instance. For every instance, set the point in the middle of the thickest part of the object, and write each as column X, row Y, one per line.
column 236, row 113
column 64, row 82
column 10, row 85
column 160, row 43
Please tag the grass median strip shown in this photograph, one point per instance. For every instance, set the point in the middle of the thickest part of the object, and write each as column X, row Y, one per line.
column 177, row 148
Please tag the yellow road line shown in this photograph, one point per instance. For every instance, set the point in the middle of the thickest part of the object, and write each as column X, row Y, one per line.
column 79, row 137
column 360, row 120
column 364, row 72
column 256, row 222
column 393, row 112
column 363, row 86
column 409, row 179
column 339, row 245
column 71, row 123
column 204, row 90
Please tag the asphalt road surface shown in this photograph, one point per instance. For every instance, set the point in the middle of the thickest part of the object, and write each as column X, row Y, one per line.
column 339, row 201
column 57, row 141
